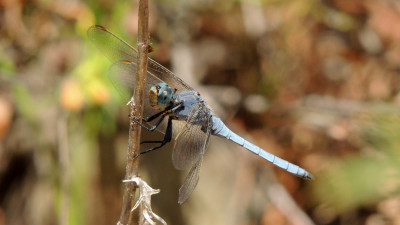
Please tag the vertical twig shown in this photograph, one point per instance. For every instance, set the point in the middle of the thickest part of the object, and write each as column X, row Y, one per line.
column 132, row 166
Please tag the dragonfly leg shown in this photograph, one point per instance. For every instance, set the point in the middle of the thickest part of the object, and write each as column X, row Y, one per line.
column 164, row 112
column 150, row 142
column 153, row 117
column 167, row 138
column 153, row 127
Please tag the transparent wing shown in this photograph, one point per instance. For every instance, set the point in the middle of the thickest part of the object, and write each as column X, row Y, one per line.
column 114, row 48
column 122, row 75
column 190, row 183
column 191, row 140
column 189, row 148
column 117, row 50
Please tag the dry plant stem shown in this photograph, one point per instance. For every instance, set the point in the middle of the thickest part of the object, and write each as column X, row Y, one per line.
column 132, row 166
column 284, row 202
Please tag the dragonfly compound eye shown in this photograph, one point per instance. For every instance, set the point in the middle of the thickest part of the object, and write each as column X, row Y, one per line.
column 160, row 96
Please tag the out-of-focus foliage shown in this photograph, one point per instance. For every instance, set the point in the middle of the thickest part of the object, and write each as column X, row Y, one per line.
column 364, row 179
column 313, row 81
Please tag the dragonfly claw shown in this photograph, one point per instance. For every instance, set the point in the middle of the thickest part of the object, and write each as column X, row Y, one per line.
column 134, row 157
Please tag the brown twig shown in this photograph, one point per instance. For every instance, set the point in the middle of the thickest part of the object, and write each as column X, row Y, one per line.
column 284, row 202
column 127, row 217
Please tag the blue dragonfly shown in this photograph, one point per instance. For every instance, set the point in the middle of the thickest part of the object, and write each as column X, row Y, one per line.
column 174, row 109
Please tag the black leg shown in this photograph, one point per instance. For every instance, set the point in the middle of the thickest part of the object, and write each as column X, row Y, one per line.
column 153, row 117
column 167, row 138
column 150, row 142
column 153, row 127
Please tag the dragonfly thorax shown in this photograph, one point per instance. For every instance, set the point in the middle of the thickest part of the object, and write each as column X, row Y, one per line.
column 160, row 96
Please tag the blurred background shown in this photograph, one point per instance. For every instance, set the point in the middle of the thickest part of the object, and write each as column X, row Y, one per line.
column 315, row 82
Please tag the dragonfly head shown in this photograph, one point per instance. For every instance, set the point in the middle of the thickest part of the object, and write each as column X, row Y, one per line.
column 160, row 96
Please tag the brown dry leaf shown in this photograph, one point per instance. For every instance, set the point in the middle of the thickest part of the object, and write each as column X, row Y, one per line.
column 6, row 112
column 383, row 18
column 353, row 6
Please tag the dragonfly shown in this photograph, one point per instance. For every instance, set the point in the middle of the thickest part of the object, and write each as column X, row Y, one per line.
column 174, row 109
